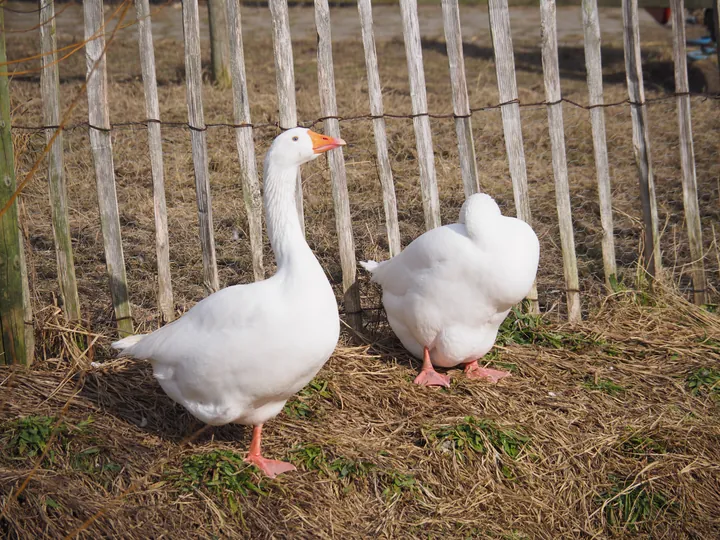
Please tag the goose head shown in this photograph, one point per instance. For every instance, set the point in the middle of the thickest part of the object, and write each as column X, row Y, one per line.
column 299, row 145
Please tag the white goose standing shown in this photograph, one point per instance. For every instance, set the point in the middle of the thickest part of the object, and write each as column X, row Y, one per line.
column 242, row 352
column 447, row 293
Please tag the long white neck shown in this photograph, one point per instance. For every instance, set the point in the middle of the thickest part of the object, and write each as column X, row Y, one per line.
column 283, row 224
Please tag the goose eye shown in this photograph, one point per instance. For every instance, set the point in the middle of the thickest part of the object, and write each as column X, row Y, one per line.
column 295, row 138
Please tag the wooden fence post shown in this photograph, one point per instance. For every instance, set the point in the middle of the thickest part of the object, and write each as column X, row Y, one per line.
column 377, row 112
column 219, row 42
column 244, row 138
column 593, row 64
column 101, row 143
column 421, row 120
column 461, row 103
column 687, row 154
column 510, row 109
column 152, row 110
column 13, row 347
column 285, row 74
column 343, row 224
column 198, row 138
column 50, row 91
column 641, row 139
column 553, row 97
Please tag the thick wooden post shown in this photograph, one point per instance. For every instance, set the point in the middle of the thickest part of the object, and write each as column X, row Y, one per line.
column 12, row 324
column 461, row 103
column 553, row 96
column 687, row 154
column 101, row 143
column 198, row 139
column 328, row 108
column 507, row 88
column 50, row 91
column 152, row 110
column 593, row 64
column 244, row 138
column 377, row 112
column 219, row 42
column 421, row 120
column 641, row 138
column 285, row 75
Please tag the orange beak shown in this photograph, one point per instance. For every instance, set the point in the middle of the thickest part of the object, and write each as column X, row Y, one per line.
column 323, row 143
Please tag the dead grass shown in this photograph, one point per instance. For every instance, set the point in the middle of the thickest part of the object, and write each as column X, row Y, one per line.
column 606, row 429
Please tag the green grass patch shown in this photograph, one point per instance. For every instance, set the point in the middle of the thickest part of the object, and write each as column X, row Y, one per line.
column 641, row 445
column 305, row 404
column 29, row 437
column 471, row 435
column 633, row 509
column 220, row 472
column 520, row 328
column 603, row 385
column 704, row 381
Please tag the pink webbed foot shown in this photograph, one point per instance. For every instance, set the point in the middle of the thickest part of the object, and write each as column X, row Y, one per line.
column 270, row 467
column 428, row 376
column 473, row 371
column 431, row 377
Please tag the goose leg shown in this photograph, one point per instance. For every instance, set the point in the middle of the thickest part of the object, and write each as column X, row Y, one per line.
column 473, row 371
column 428, row 376
column 270, row 467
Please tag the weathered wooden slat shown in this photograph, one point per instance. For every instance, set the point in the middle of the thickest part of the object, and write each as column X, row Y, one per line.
column 421, row 120
column 244, row 138
column 593, row 64
column 461, row 102
column 50, row 92
column 641, row 139
column 341, row 200
column 12, row 313
column 687, row 153
column 101, row 143
column 510, row 110
column 198, row 138
column 28, row 322
column 152, row 110
column 219, row 42
column 285, row 74
column 716, row 22
column 553, row 96
column 377, row 111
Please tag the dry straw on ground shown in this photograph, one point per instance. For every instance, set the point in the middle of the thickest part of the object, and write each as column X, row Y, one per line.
column 607, row 429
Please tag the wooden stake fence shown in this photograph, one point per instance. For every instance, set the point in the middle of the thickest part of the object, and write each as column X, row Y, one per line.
column 13, row 302
column 421, row 120
column 13, row 349
column 152, row 109
column 507, row 88
column 551, row 71
column 687, row 155
column 641, row 138
column 285, row 73
column 593, row 64
column 99, row 118
column 198, row 137
column 50, row 92
column 244, row 138
column 377, row 111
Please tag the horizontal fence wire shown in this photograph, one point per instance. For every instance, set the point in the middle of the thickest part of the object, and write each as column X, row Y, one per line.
column 394, row 116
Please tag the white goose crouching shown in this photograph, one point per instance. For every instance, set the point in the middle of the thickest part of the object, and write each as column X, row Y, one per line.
column 447, row 293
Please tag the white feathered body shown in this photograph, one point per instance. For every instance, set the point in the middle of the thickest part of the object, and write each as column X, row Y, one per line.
column 241, row 353
column 452, row 287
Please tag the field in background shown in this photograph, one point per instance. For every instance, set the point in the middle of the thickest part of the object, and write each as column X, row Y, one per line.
column 609, row 428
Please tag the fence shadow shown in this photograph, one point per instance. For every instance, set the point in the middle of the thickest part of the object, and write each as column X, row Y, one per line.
column 658, row 73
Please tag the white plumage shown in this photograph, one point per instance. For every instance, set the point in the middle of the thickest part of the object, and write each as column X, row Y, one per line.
column 239, row 354
column 452, row 287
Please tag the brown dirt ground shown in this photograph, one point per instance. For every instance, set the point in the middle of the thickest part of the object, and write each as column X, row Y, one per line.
column 591, row 449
